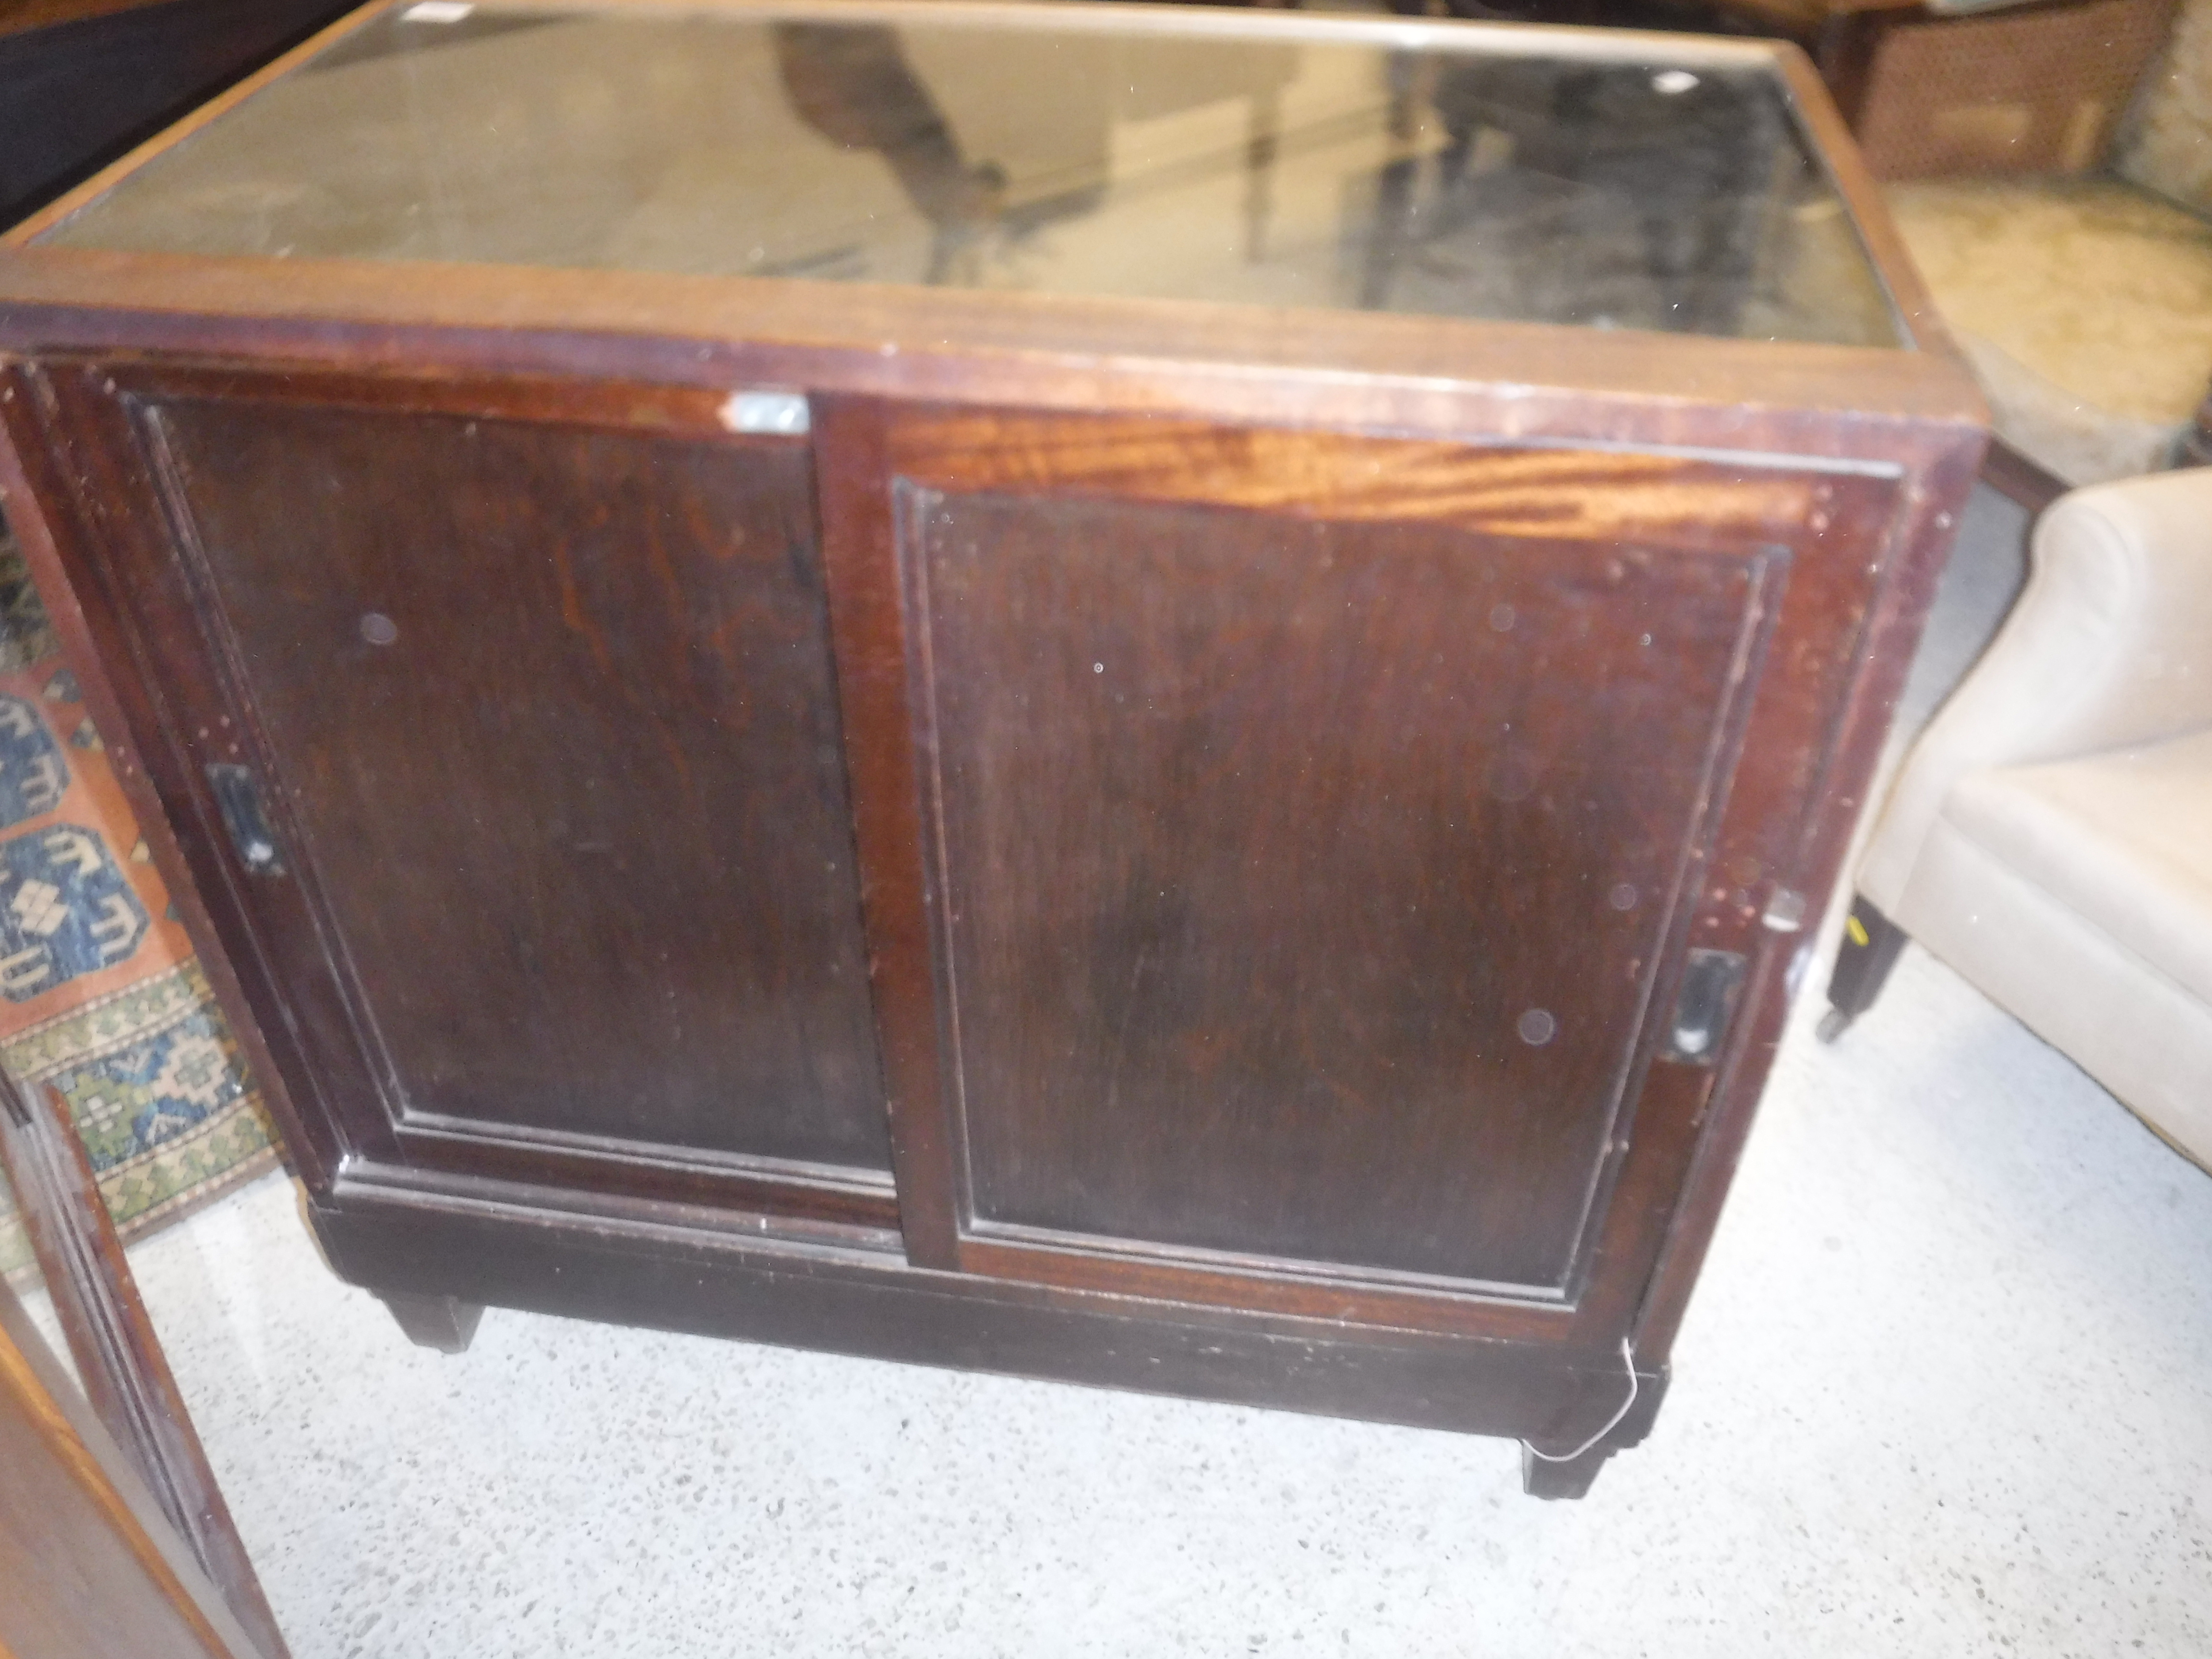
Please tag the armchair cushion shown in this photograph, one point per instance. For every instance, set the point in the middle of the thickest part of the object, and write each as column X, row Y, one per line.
column 2138, row 1032
column 2049, row 836
column 2123, row 840
column 2109, row 647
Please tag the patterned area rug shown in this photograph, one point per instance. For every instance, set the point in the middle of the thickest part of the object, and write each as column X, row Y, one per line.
column 100, row 996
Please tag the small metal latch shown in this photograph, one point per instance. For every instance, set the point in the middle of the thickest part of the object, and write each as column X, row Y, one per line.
column 778, row 414
column 1710, row 980
column 238, row 795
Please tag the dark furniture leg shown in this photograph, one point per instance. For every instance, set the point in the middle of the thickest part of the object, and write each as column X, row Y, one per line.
column 1542, row 1478
column 1871, row 943
column 2017, row 478
column 1568, row 1473
column 434, row 1322
column 2195, row 448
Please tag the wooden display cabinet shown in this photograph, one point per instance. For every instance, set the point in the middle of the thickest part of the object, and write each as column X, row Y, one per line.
column 1154, row 697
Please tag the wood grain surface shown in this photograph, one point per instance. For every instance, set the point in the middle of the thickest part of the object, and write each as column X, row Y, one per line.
column 112, row 1341
column 541, row 712
column 1285, row 759
column 1304, row 884
column 1261, row 776
column 89, row 1568
column 591, row 782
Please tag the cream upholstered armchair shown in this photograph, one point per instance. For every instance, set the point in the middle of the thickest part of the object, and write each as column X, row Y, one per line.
column 2049, row 836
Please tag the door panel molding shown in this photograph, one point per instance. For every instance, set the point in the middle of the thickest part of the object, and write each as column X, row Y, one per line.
column 1772, row 674
column 161, row 574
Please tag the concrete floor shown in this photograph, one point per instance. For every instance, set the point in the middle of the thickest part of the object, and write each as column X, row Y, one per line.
column 1946, row 1390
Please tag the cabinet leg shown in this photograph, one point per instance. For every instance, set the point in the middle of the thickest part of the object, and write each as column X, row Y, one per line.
column 1871, row 945
column 1540, row 1478
column 434, row 1322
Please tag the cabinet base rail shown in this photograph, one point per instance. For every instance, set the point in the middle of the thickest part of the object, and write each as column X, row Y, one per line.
column 416, row 1247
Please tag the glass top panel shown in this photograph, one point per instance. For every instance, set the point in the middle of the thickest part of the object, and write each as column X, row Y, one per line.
column 1485, row 174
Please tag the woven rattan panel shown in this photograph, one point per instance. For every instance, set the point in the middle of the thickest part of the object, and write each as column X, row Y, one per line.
column 2034, row 91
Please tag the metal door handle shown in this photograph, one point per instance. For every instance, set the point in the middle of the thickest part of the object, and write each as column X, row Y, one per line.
column 238, row 793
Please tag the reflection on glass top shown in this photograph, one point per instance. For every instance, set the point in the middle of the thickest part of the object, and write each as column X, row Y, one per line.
column 1258, row 167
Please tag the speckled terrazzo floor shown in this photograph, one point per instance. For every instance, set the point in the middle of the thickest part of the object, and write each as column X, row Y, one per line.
column 1946, row 1390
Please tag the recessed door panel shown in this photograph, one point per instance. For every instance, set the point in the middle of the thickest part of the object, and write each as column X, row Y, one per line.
column 1303, row 880
column 549, row 710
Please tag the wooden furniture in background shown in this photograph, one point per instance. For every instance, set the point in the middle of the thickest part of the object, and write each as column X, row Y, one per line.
column 2020, row 479
column 2034, row 89
column 2006, row 88
column 1037, row 748
column 113, row 1535
column 88, row 1566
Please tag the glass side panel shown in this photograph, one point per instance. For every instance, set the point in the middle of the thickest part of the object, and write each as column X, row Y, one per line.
column 1475, row 179
column 19, row 1271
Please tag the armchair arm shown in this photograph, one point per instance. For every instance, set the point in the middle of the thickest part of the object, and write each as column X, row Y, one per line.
column 2109, row 646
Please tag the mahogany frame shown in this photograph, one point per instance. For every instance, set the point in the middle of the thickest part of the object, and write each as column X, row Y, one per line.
column 111, row 1340
column 585, row 346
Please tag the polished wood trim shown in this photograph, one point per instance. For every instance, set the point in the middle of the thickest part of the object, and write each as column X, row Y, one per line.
column 1011, row 1241
column 43, row 509
column 1654, row 1108
column 279, row 287
column 1374, row 372
column 831, row 1177
column 493, row 1241
column 600, row 1164
column 869, row 631
column 27, row 229
column 540, row 399
column 1073, row 1262
column 1913, row 556
column 1834, row 142
column 775, row 1224
column 89, row 1567
column 104, row 1320
column 1133, row 17
column 1576, row 494
column 2018, row 479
